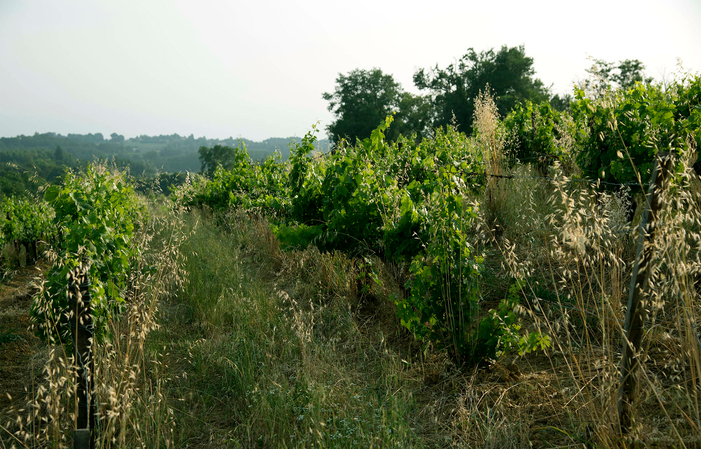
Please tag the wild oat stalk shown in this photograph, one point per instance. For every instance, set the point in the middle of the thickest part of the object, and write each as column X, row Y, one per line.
column 491, row 140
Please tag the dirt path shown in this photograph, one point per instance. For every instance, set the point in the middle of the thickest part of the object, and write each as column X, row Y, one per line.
column 19, row 348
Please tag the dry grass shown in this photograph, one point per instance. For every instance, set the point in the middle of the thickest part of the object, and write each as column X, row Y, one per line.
column 577, row 259
column 491, row 141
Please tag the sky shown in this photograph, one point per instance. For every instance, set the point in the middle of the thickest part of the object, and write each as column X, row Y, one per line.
column 258, row 69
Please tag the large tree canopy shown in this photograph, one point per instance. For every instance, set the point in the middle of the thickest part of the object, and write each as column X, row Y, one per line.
column 223, row 155
column 361, row 101
column 413, row 117
column 508, row 72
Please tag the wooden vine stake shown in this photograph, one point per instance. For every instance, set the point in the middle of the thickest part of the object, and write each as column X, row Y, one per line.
column 639, row 285
column 82, row 333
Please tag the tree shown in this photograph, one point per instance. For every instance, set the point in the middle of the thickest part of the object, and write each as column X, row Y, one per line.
column 58, row 154
column 606, row 75
column 508, row 72
column 114, row 137
column 227, row 157
column 414, row 117
column 561, row 103
column 361, row 101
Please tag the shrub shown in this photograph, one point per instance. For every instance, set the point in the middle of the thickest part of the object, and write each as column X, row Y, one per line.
column 25, row 222
column 537, row 135
column 96, row 213
column 625, row 129
column 245, row 185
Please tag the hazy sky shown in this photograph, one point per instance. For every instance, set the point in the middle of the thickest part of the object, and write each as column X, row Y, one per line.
column 257, row 69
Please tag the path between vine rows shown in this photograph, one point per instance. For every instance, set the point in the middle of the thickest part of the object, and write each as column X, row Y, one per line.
column 21, row 358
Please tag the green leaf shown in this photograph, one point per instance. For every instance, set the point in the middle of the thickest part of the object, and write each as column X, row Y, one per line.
column 51, row 193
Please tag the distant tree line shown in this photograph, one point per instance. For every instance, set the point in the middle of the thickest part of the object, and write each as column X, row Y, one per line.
column 28, row 162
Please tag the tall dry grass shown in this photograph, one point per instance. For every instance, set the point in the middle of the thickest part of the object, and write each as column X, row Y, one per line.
column 491, row 140
column 574, row 249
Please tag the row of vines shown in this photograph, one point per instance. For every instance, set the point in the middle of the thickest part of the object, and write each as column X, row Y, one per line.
column 94, row 232
column 413, row 203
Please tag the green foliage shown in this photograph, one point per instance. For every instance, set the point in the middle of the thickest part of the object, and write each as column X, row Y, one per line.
column 350, row 190
column 608, row 76
column 625, row 129
column 414, row 117
column 163, row 183
column 298, row 236
column 444, row 301
column 337, row 193
column 536, row 134
column 363, row 98
column 362, row 196
column 25, row 222
column 96, row 213
column 443, row 305
column 245, row 185
column 420, row 171
column 224, row 156
column 499, row 331
column 23, row 172
column 403, row 201
column 561, row 103
column 361, row 101
column 304, row 182
column 508, row 72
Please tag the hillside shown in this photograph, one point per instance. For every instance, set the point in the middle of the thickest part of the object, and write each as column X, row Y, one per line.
column 47, row 155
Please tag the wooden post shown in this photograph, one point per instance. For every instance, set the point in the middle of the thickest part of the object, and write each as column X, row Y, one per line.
column 82, row 330
column 636, row 314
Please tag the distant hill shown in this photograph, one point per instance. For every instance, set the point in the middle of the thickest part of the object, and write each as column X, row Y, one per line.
column 46, row 155
column 175, row 153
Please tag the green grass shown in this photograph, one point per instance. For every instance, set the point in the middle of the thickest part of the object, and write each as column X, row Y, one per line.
column 270, row 361
column 9, row 337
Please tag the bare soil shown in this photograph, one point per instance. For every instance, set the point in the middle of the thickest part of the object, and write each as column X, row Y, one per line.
column 20, row 349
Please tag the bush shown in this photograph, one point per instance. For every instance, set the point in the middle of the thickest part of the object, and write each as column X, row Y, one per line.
column 625, row 129
column 245, row 185
column 24, row 222
column 96, row 213
column 536, row 131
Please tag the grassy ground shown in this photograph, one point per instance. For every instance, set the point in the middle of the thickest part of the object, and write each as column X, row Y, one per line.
column 283, row 350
